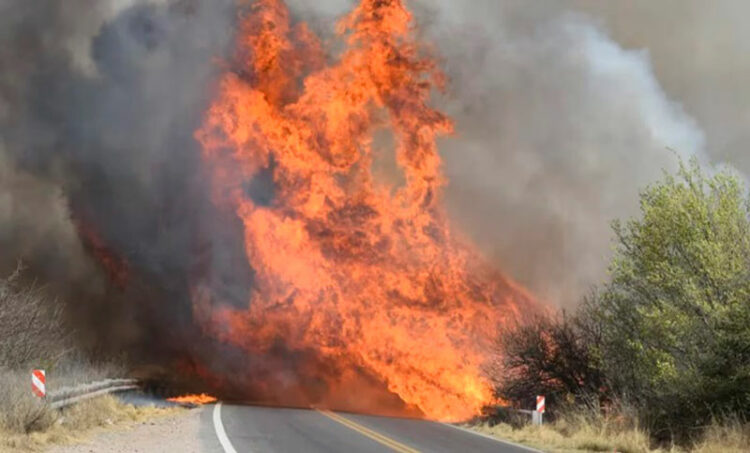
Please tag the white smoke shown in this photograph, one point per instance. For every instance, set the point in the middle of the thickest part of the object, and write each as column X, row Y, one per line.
column 558, row 128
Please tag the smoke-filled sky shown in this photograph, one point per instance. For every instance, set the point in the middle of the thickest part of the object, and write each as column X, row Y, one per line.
column 563, row 111
column 98, row 104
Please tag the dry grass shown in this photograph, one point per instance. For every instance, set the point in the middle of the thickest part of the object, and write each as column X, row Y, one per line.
column 76, row 423
column 28, row 425
column 582, row 433
column 567, row 439
column 730, row 438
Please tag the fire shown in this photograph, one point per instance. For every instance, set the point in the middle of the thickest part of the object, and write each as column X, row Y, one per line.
column 366, row 273
column 193, row 399
column 116, row 267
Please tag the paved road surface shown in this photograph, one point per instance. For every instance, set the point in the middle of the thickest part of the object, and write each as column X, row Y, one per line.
column 256, row 429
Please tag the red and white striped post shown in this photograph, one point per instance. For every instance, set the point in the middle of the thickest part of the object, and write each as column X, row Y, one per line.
column 540, row 404
column 537, row 414
column 39, row 383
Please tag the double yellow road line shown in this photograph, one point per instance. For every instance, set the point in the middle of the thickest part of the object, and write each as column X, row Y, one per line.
column 377, row 437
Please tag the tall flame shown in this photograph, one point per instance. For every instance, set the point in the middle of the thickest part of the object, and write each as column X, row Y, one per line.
column 366, row 273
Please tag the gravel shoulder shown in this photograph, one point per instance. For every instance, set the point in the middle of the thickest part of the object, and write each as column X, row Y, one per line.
column 184, row 432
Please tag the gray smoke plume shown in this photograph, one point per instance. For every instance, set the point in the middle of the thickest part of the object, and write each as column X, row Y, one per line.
column 559, row 124
column 558, row 127
column 563, row 111
column 98, row 104
column 699, row 53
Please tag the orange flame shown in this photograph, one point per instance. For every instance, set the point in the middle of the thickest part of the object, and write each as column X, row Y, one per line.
column 193, row 399
column 365, row 273
column 116, row 267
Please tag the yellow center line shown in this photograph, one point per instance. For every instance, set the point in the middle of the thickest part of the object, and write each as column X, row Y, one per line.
column 387, row 441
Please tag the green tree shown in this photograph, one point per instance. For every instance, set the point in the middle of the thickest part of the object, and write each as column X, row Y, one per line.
column 676, row 312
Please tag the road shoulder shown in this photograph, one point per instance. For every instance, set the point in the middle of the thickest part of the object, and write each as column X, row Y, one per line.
column 177, row 432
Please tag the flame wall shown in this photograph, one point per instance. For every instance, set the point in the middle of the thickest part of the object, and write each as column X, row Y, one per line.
column 365, row 274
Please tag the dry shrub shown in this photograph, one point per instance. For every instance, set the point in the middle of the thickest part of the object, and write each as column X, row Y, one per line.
column 72, row 424
column 20, row 410
column 32, row 325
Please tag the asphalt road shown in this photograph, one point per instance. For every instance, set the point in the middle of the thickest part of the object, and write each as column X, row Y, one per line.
column 253, row 429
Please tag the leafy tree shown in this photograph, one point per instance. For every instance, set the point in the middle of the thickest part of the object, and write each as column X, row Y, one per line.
column 670, row 332
column 676, row 313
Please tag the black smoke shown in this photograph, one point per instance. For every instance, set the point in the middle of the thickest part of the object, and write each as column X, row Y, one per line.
column 101, row 191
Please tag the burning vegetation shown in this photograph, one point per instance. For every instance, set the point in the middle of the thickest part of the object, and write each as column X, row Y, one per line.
column 198, row 399
column 252, row 245
column 357, row 282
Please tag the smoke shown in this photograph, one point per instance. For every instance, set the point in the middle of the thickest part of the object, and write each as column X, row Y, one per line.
column 563, row 111
column 34, row 222
column 699, row 54
column 98, row 104
column 560, row 124
column 558, row 127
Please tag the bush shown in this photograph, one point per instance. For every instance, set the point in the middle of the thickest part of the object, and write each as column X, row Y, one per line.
column 20, row 410
column 554, row 357
column 32, row 325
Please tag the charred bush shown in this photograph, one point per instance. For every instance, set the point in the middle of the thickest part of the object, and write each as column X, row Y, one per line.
column 551, row 356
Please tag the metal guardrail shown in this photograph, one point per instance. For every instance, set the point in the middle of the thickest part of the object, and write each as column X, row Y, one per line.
column 72, row 395
column 513, row 409
column 523, row 411
column 536, row 417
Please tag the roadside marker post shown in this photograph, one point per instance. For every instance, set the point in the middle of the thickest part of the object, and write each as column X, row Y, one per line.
column 39, row 383
column 537, row 414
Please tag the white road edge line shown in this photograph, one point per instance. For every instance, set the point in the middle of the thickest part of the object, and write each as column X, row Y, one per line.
column 470, row 431
column 220, row 433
